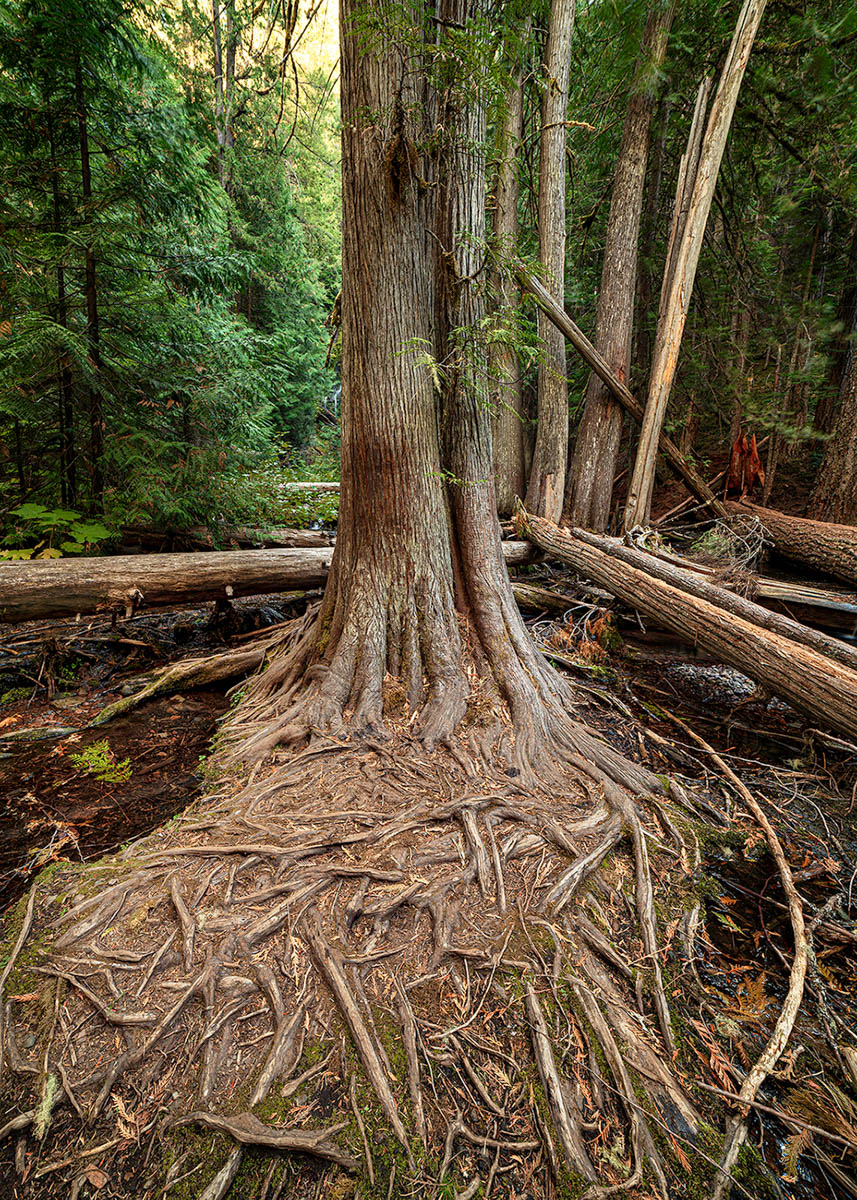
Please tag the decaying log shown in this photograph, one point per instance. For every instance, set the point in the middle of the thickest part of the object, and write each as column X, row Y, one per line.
column 681, row 465
column 707, row 589
column 65, row 587
column 829, row 606
column 541, row 599
column 811, row 682
column 829, row 548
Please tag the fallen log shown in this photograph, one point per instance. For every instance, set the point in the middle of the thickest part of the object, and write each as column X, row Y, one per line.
column 541, row 599
column 200, row 537
column 66, row 587
column 557, row 314
column 839, row 609
column 823, row 687
column 277, row 538
column 829, row 548
column 662, row 567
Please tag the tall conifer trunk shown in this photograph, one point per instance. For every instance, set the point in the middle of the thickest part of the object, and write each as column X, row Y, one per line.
column 547, row 475
column 65, row 398
column 835, row 495
column 418, row 589
column 93, row 331
column 505, row 370
column 590, row 483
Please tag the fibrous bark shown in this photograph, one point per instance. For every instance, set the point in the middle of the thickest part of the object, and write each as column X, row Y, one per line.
column 589, row 488
column 547, row 474
column 505, row 369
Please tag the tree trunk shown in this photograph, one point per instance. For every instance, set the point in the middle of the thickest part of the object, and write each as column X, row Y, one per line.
column 222, row 123
column 681, row 268
column 547, row 474
column 417, row 563
column 830, row 401
column 504, row 368
column 812, row 683
column 827, row 547
column 93, row 335
column 65, row 398
column 20, row 466
column 651, row 213
column 593, row 468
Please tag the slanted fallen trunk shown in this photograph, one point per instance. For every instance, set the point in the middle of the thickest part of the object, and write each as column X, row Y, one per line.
column 723, row 597
column 820, row 544
column 814, row 684
column 64, row 587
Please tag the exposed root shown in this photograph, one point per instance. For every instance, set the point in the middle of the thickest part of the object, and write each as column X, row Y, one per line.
column 396, row 902
column 249, row 1131
column 737, row 1130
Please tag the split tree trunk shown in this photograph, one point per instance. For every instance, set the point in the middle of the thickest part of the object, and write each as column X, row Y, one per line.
column 547, row 475
column 505, row 369
column 680, row 276
column 589, row 489
column 823, row 545
column 812, row 683
column 66, row 587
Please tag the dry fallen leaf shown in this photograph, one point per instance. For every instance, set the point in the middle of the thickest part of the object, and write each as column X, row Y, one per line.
column 95, row 1176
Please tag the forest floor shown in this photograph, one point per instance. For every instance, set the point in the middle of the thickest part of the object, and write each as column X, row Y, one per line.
column 636, row 687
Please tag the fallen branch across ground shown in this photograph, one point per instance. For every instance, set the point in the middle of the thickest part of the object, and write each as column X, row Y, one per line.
column 737, row 1131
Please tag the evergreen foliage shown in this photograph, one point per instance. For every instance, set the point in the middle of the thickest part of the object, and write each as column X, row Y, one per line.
column 159, row 332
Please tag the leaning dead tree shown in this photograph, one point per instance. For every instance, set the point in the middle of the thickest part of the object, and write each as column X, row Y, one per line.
column 679, row 463
column 697, row 181
column 412, row 933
